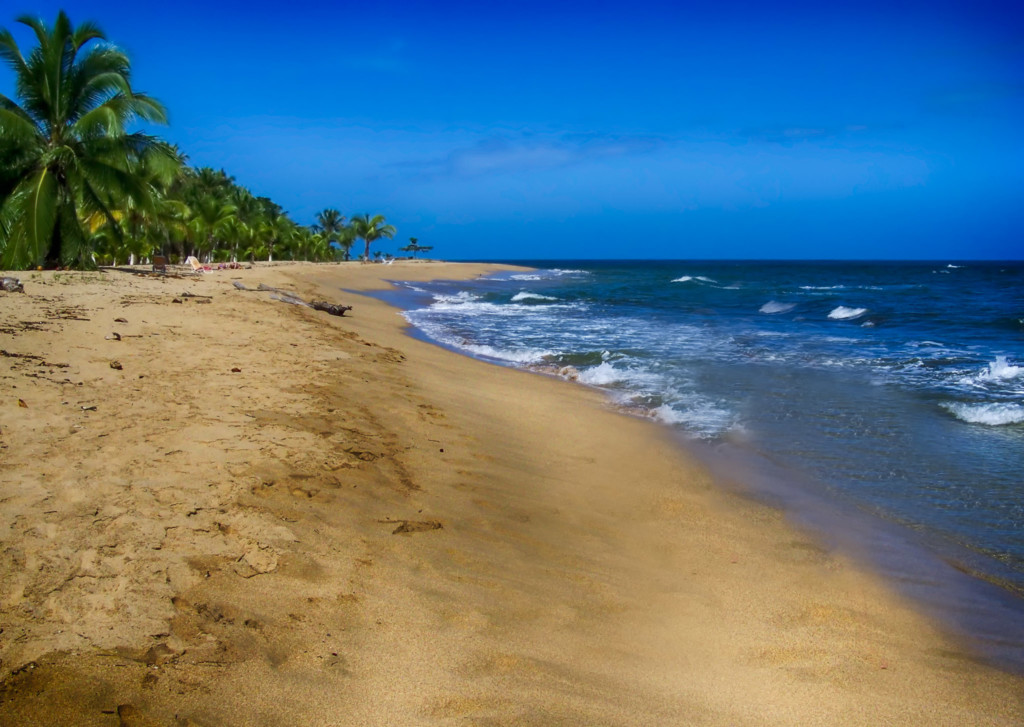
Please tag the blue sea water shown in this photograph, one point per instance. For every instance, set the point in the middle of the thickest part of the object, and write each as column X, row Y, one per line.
column 891, row 391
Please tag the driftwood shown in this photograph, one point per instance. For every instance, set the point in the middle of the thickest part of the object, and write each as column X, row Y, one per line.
column 11, row 285
column 287, row 296
column 264, row 286
column 333, row 308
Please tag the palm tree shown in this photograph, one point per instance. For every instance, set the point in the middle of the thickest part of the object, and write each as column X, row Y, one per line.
column 414, row 247
column 371, row 229
column 346, row 238
column 64, row 150
column 211, row 219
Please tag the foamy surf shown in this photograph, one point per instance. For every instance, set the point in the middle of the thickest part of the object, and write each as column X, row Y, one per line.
column 843, row 313
column 601, row 375
column 702, row 419
column 775, row 307
column 993, row 415
column 698, row 278
column 1000, row 370
column 518, row 297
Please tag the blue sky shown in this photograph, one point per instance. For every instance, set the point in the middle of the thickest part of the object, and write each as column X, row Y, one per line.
column 605, row 130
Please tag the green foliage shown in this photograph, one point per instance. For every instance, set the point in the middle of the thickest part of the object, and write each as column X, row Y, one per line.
column 79, row 188
column 370, row 229
column 414, row 247
column 66, row 149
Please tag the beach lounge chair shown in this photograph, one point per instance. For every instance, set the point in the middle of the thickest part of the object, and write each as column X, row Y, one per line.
column 196, row 265
column 159, row 264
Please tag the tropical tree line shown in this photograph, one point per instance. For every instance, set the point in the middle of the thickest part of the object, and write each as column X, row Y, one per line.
column 80, row 188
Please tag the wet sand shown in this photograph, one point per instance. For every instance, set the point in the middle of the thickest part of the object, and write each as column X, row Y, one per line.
column 272, row 516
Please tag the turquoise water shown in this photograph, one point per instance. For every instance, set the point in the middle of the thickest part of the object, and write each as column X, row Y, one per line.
column 892, row 391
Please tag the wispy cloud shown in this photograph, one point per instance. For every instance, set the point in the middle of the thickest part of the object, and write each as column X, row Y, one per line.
column 787, row 135
column 526, row 152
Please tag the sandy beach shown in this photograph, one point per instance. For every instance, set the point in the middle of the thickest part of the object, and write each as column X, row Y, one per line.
column 218, row 508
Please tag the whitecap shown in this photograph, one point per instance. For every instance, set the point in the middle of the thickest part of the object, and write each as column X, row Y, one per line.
column 698, row 278
column 602, row 375
column 822, row 287
column 951, row 266
column 1000, row 370
column 463, row 296
column 843, row 313
column 995, row 414
column 530, row 296
column 525, row 276
column 773, row 306
column 521, row 356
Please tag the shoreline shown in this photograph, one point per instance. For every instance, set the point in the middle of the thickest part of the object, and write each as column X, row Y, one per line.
column 977, row 607
column 940, row 577
column 359, row 526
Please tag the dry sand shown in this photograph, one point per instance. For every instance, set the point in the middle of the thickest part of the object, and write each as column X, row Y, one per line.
column 271, row 516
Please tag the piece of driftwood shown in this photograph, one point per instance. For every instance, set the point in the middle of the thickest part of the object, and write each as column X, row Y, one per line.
column 11, row 285
column 287, row 296
column 264, row 286
column 332, row 308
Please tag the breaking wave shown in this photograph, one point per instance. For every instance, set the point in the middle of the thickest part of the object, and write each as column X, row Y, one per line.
column 994, row 415
column 530, row 296
column 1000, row 370
column 843, row 313
column 773, row 306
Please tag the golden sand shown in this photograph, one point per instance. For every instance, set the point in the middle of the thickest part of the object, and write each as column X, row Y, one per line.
column 271, row 516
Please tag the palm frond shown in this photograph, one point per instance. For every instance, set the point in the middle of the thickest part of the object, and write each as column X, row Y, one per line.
column 29, row 215
column 15, row 127
column 11, row 53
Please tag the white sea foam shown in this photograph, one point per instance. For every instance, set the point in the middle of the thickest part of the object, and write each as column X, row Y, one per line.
column 701, row 278
column 822, row 287
column 478, row 307
column 995, row 414
column 700, row 418
column 1000, row 370
column 530, row 296
column 525, row 276
column 843, row 313
column 602, row 375
column 521, row 356
column 773, row 306
column 463, row 296
column 951, row 266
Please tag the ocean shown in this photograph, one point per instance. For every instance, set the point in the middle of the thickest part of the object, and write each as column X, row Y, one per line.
column 881, row 403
